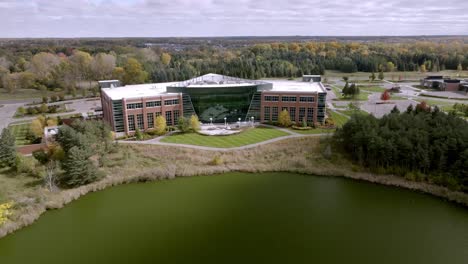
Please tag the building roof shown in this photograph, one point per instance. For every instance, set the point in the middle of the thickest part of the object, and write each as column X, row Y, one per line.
column 297, row 86
column 210, row 80
column 137, row 90
column 216, row 80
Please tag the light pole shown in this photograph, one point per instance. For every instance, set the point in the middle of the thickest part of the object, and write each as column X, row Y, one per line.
column 225, row 122
column 253, row 119
column 211, row 121
column 239, row 121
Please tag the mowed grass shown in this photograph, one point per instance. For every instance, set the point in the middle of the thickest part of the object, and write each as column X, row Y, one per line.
column 340, row 120
column 362, row 96
column 247, row 137
column 20, row 132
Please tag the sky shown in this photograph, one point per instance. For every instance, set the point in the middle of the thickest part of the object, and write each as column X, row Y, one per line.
column 207, row 18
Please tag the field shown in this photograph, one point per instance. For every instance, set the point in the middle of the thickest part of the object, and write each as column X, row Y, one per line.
column 363, row 96
column 20, row 132
column 247, row 137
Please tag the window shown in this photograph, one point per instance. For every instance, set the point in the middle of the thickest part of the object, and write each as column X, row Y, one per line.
column 153, row 103
column 302, row 112
column 288, row 98
column 271, row 98
column 274, row 114
column 266, row 113
column 284, row 108
column 131, row 123
column 176, row 116
column 169, row 118
column 308, row 99
column 135, row 106
column 140, row 122
column 157, row 114
column 321, row 99
column 292, row 113
column 310, row 115
column 171, row 102
column 150, row 118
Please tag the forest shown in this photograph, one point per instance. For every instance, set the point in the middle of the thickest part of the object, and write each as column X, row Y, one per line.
column 65, row 65
column 421, row 144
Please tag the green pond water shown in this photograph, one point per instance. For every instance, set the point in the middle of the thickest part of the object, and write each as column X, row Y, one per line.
column 246, row 218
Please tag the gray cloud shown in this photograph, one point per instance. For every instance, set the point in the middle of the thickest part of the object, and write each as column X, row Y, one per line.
column 155, row 18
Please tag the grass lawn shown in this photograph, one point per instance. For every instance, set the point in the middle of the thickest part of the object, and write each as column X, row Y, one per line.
column 362, row 96
column 352, row 112
column 376, row 89
column 313, row 131
column 20, row 131
column 340, row 120
column 247, row 137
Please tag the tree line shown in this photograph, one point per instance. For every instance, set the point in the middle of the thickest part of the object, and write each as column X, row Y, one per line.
column 420, row 144
column 55, row 67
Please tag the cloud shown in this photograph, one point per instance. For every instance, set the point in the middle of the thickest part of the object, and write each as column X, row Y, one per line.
column 155, row 18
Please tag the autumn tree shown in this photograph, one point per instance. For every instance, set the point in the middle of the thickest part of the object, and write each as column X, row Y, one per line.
column 118, row 73
column 284, row 119
column 194, row 123
column 133, row 72
column 385, row 96
column 43, row 63
column 102, row 66
column 160, row 125
column 166, row 58
column 390, row 66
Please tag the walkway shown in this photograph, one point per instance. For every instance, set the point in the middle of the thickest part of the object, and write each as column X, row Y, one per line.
column 157, row 141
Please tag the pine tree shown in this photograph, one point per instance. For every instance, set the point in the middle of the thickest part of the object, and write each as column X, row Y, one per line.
column 345, row 90
column 7, row 148
column 395, row 110
column 79, row 169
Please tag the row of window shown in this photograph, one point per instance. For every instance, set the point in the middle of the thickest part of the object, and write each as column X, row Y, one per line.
column 152, row 104
column 271, row 113
column 172, row 117
column 275, row 98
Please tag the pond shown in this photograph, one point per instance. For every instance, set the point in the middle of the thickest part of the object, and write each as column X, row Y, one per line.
column 246, row 218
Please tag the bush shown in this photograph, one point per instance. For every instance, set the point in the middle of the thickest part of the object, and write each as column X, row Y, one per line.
column 44, row 100
column 24, row 165
column 53, row 98
column 217, row 160
column 61, row 97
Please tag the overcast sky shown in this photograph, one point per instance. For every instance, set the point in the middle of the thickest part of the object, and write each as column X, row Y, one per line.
column 156, row 18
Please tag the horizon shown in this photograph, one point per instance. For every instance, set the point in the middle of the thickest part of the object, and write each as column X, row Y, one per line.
column 219, row 18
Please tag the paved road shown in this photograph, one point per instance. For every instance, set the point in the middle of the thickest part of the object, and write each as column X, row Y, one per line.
column 9, row 108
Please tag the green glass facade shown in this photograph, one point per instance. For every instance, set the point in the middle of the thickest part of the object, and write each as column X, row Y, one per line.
column 220, row 102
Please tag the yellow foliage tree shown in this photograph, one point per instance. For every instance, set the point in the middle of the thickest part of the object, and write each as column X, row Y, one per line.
column 160, row 125
column 284, row 119
column 194, row 123
column 166, row 58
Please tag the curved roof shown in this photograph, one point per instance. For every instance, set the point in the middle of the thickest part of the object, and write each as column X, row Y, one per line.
column 216, row 80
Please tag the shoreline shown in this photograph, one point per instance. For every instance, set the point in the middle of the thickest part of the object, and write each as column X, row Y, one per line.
column 27, row 215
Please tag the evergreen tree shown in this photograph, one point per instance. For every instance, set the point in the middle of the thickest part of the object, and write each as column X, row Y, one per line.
column 79, row 169
column 345, row 89
column 381, row 75
column 7, row 148
column 395, row 110
column 372, row 77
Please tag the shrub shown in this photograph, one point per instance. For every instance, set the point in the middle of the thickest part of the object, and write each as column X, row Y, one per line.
column 61, row 97
column 53, row 98
column 217, row 160
column 194, row 123
column 138, row 134
column 284, row 119
column 21, row 111
column 160, row 125
column 183, row 125
column 44, row 99
column 24, row 165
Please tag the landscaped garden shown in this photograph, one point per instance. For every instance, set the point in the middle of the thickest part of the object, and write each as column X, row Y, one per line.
column 250, row 136
column 21, row 132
